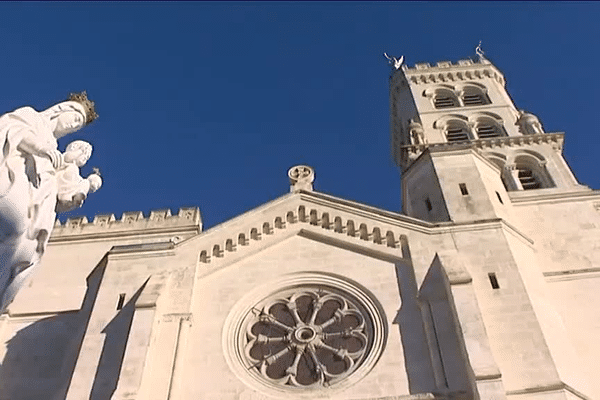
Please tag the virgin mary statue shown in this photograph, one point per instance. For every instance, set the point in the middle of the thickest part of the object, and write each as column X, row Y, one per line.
column 29, row 163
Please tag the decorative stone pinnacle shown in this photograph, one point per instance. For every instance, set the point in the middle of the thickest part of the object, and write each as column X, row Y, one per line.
column 301, row 178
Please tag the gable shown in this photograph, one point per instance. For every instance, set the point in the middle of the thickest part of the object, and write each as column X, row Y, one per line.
column 297, row 264
column 364, row 228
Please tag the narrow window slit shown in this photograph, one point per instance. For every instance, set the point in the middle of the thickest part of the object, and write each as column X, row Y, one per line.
column 121, row 301
column 499, row 198
column 463, row 189
column 494, row 280
column 428, row 204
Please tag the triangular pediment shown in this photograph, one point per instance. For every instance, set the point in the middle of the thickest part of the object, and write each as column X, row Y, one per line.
column 358, row 227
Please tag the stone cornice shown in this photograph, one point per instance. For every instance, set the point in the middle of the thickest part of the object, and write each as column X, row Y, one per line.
column 555, row 139
column 131, row 223
column 572, row 274
column 361, row 223
column 411, row 167
column 552, row 195
column 357, row 225
column 404, row 221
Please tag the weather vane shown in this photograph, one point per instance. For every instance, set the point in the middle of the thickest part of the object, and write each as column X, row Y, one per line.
column 396, row 62
column 480, row 52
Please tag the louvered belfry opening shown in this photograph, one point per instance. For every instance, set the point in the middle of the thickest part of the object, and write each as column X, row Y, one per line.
column 485, row 131
column 444, row 101
column 456, row 134
column 528, row 179
column 474, row 99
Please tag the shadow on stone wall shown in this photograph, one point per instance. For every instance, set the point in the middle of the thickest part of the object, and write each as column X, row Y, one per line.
column 436, row 294
column 410, row 323
column 40, row 357
column 113, row 351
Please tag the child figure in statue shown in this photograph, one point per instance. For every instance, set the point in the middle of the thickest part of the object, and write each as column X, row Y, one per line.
column 72, row 188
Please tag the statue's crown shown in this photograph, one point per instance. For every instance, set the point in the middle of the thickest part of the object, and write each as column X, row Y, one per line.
column 82, row 98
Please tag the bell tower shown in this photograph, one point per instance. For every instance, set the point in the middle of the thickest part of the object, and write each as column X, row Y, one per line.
column 465, row 151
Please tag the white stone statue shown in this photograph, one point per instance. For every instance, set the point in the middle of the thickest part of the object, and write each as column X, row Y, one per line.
column 33, row 178
column 479, row 52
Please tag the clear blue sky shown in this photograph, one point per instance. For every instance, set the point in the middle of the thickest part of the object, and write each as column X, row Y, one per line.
column 209, row 104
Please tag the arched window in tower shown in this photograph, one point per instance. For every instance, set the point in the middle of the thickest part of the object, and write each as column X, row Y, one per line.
column 486, row 128
column 485, row 131
column 456, row 131
column 527, row 178
column 444, row 98
column 474, row 96
column 531, row 172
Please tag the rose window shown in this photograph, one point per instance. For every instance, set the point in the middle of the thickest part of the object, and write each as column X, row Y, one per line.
column 308, row 336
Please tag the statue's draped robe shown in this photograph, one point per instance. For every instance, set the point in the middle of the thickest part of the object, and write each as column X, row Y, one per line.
column 72, row 188
column 27, row 198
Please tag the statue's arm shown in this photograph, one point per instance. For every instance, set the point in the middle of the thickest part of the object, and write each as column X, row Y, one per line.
column 31, row 144
column 74, row 197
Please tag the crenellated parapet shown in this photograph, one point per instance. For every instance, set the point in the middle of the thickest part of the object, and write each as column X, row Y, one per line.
column 445, row 71
column 130, row 222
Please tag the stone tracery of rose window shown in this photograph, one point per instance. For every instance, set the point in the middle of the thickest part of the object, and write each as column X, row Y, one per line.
column 307, row 337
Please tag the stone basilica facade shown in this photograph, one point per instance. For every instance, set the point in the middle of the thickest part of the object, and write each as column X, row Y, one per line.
column 486, row 286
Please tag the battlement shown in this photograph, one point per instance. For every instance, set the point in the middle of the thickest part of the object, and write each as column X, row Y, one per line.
column 446, row 64
column 445, row 71
column 130, row 221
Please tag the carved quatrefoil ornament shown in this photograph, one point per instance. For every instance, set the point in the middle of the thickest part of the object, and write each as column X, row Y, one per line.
column 301, row 177
column 315, row 332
